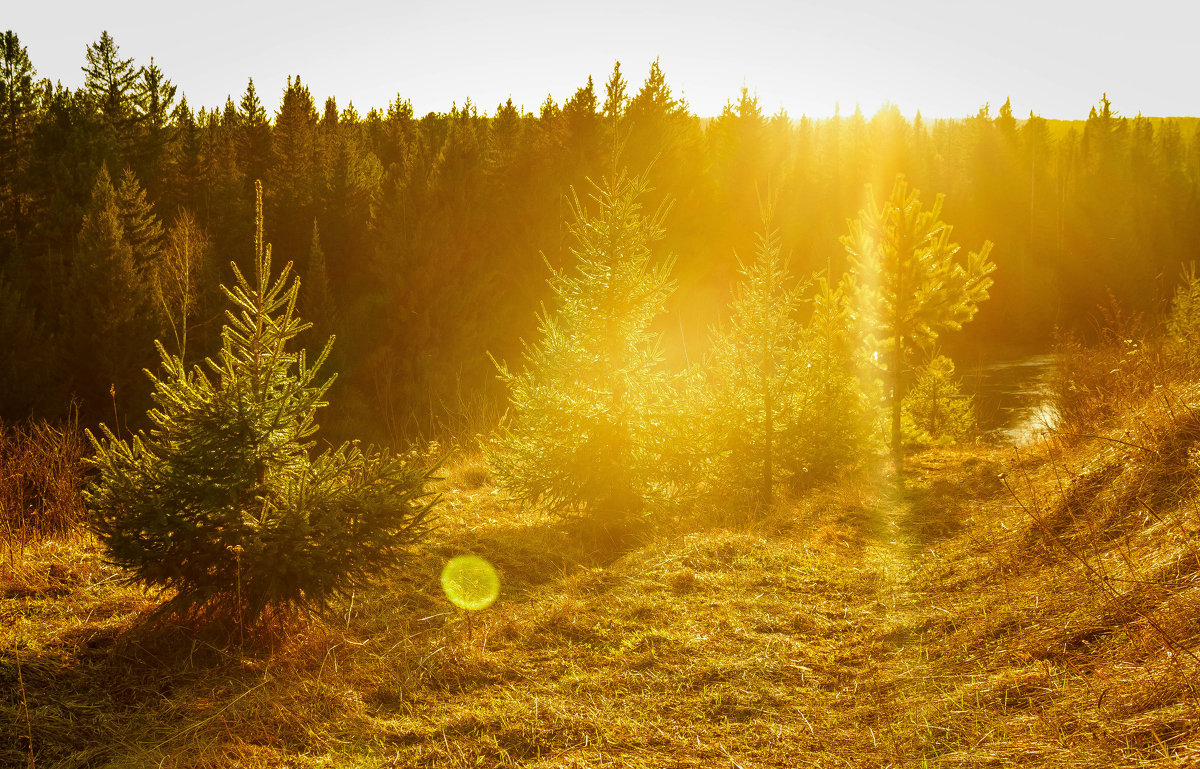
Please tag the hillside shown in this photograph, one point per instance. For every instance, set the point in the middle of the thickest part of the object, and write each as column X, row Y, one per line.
column 1032, row 607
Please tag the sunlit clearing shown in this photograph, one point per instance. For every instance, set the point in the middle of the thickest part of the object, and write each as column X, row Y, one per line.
column 470, row 582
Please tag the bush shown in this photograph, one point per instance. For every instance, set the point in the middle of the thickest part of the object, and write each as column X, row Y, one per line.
column 1092, row 382
column 221, row 501
column 1183, row 320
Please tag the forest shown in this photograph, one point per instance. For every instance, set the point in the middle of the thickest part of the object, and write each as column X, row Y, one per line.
column 422, row 242
column 606, row 434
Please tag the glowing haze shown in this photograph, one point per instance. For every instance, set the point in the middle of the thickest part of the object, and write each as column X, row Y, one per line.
column 945, row 59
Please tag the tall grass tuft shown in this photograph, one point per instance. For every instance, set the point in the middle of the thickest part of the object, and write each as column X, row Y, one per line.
column 41, row 475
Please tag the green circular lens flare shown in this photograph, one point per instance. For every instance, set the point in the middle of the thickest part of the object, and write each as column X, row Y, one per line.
column 470, row 582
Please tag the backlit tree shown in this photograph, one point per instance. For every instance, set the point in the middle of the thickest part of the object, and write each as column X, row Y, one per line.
column 935, row 409
column 588, row 409
column 912, row 285
column 754, row 373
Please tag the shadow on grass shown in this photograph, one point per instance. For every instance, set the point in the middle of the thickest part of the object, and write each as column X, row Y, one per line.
column 529, row 554
column 95, row 687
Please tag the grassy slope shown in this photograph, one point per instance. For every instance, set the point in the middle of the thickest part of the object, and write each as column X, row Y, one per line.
column 1041, row 616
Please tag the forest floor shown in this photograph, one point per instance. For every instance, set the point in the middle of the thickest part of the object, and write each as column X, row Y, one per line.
column 1007, row 608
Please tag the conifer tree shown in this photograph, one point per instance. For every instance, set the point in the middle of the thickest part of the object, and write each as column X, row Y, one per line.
column 355, row 179
column 181, row 160
column 155, row 97
column 833, row 426
column 222, row 502
column 110, row 323
column 754, row 373
column 581, row 118
column 17, row 105
column 653, row 103
column 549, row 112
column 254, row 134
column 399, row 137
column 112, row 84
column 294, row 174
column 220, row 209
column 504, row 136
column 111, row 80
column 230, row 118
column 143, row 231
column 935, row 410
column 911, row 286
column 588, row 410
column 315, row 297
column 653, row 117
column 615, row 97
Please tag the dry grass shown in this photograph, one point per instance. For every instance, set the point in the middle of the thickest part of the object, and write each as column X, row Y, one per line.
column 1006, row 609
column 1075, row 604
column 41, row 475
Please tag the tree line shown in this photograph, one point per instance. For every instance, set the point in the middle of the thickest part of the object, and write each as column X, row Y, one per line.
column 423, row 241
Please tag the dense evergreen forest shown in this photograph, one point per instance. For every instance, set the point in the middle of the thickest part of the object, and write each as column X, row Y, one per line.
column 423, row 241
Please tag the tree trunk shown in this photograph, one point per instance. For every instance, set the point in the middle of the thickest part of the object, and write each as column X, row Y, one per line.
column 768, row 463
column 897, row 406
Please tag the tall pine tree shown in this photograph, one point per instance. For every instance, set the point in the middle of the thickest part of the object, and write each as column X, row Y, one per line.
column 294, row 173
column 155, row 99
column 112, row 84
column 18, row 101
column 254, row 135
column 110, row 323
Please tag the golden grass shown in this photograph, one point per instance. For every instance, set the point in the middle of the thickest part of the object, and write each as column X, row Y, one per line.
column 1007, row 609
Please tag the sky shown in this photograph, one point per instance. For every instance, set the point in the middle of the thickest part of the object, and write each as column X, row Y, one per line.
column 810, row 57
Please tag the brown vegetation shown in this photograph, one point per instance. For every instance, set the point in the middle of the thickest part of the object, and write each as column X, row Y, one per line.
column 41, row 476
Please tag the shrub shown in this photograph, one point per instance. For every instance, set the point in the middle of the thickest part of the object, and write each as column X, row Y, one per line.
column 1183, row 320
column 1094, row 381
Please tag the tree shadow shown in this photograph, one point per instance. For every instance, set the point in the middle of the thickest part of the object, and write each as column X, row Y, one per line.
column 75, row 694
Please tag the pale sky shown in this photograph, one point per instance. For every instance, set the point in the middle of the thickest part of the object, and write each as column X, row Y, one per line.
column 945, row 58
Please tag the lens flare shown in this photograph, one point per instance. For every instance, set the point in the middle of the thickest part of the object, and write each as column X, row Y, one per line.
column 470, row 582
